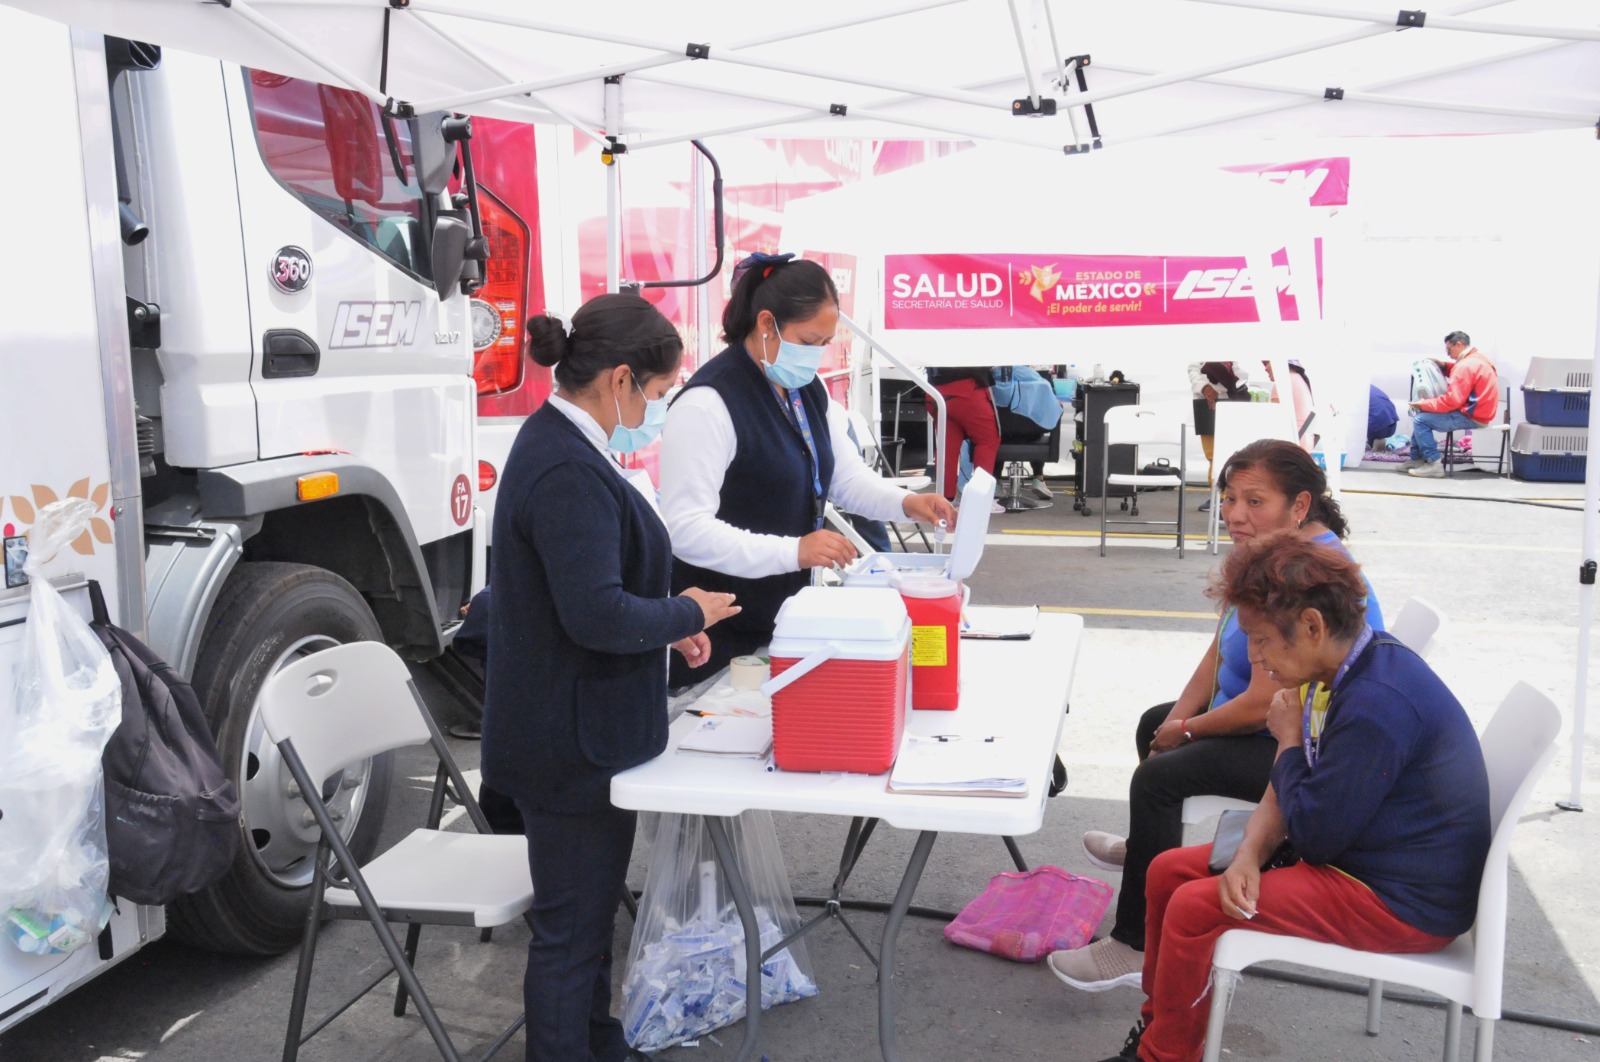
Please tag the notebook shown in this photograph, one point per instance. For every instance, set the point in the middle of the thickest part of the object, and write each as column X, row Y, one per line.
column 729, row 736
column 956, row 764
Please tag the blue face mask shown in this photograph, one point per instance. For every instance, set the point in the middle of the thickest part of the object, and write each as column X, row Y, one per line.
column 795, row 366
column 626, row 440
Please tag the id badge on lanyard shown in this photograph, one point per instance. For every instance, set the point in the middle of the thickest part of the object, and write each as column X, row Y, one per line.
column 1313, row 744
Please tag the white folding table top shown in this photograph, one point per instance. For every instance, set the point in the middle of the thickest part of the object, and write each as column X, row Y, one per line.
column 1016, row 690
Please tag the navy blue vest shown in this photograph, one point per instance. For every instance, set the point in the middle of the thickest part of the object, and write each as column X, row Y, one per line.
column 767, row 489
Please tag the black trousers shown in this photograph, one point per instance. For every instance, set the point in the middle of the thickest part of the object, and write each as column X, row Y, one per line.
column 1238, row 767
column 579, row 865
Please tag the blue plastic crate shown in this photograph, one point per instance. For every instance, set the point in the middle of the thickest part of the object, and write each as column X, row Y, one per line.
column 1558, row 408
column 1549, row 454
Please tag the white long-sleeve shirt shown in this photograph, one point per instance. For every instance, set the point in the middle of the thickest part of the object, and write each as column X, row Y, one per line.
column 697, row 446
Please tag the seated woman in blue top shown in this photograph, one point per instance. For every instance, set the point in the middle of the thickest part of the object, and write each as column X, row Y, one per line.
column 578, row 637
column 1384, row 798
column 1212, row 740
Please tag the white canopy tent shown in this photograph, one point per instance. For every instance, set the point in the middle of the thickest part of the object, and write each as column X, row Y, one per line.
column 636, row 73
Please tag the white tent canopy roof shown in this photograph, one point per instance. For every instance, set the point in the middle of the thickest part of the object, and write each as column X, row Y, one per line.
column 916, row 68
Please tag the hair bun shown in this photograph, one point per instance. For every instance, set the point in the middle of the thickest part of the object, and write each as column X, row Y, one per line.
column 548, row 341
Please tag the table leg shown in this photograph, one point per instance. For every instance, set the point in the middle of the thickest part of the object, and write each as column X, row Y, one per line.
column 1016, row 854
column 752, row 933
column 897, row 914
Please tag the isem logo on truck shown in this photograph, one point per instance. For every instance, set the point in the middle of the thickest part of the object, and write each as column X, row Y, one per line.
column 375, row 324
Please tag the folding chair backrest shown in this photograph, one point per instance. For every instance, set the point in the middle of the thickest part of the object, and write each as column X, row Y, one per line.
column 343, row 705
column 1138, row 425
column 1518, row 744
column 1416, row 624
column 1241, row 423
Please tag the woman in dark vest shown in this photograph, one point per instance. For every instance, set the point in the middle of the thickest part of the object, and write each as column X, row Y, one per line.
column 578, row 639
column 752, row 450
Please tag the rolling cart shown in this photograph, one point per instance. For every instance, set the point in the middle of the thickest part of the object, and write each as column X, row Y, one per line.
column 1090, row 405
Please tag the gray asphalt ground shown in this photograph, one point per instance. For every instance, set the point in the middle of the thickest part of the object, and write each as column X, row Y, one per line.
column 1498, row 555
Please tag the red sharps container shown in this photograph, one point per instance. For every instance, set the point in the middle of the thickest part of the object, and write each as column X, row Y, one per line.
column 934, row 605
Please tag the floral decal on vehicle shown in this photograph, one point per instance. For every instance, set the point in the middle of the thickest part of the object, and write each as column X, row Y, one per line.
column 99, row 528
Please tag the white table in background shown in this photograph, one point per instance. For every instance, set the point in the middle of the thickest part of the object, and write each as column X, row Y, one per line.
column 1017, row 690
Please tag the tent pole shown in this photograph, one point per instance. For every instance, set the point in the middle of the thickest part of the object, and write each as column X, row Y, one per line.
column 1022, row 48
column 613, row 118
column 702, row 292
column 338, row 74
column 921, row 380
column 877, row 15
column 1591, row 548
column 1388, row 22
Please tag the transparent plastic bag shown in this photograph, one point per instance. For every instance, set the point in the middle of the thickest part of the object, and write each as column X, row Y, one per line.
column 1428, row 380
column 686, row 966
column 66, row 703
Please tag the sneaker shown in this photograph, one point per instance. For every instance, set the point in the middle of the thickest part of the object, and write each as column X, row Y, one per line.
column 1428, row 470
column 1104, row 964
column 1415, row 462
column 1105, row 850
column 1037, row 485
column 996, row 507
column 1130, row 1046
column 1205, row 506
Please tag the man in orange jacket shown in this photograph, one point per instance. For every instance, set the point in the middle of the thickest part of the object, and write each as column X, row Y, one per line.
column 1471, row 401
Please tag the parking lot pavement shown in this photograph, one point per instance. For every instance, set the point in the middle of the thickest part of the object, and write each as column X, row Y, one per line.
column 1503, row 571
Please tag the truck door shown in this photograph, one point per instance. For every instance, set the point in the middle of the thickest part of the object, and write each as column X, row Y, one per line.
column 354, row 350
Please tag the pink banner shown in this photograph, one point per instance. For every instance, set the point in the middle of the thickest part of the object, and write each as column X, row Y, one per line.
column 958, row 291
column 1323, row 182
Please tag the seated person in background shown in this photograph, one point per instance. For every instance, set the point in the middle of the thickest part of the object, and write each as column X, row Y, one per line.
column 1300, row 388
column 1381, row 418
column 1028, row 408
column 1472, row 400
column 1384, row 799
column 1212, row 382
column 1211, row 741
column 969, row 414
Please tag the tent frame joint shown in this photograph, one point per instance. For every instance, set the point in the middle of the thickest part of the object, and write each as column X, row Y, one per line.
column 697, row 51
column 1586, row 573
column 1411, row 19
column 1333, row 93
column 838, row 110
column 1026, row 108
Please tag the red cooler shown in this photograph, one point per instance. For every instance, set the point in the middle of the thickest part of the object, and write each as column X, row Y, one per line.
column 934, row 604
column 840, row 683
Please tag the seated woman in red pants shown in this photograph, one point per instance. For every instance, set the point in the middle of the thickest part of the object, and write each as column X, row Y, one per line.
column 969, row 414
column 1384, row 799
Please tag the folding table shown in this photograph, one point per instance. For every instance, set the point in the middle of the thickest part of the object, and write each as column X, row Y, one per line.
column 1015, row 691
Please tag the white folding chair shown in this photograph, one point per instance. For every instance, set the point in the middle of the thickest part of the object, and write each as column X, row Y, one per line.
column 1142, row 426
column 1238, row 425
column 1414, row 626
column 338, row 707
column 1517, row 747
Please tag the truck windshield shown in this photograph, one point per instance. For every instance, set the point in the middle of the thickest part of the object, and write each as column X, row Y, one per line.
column 325, row 145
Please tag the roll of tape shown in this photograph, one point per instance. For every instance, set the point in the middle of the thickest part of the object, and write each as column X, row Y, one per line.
column 747, row 672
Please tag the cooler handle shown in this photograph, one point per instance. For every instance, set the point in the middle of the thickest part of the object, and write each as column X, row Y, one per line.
column 800, row 670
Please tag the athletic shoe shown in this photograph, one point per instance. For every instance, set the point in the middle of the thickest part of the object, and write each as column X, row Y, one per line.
column 1099, row 966
column 1428, row 470
column 1415, row 462
column 1205, row 506
column 996, row 507
column 1037, row 485
column 1130, row 1046
column 1105, row 850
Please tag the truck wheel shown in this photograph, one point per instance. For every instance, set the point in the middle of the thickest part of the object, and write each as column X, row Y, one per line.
column 270, row 614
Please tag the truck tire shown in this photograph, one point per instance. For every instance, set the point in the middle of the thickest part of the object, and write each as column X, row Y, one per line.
column 270, row 614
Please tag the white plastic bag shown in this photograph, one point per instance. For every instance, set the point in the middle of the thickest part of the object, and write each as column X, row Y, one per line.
column 686, row 966
column 67, row 702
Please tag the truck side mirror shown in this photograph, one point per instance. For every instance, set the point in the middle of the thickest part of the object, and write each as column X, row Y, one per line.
column 450, row 237
column 433, row 151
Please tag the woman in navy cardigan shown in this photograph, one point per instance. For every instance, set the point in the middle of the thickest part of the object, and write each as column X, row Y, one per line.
column 577, row 676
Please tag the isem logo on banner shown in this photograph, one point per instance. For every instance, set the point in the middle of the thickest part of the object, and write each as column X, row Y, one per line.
column 950, row 291
column 1322, row 182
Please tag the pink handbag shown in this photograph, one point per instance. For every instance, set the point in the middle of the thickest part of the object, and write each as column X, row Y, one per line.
column 1026, row 916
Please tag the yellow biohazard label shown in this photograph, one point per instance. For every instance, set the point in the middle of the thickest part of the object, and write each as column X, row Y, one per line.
column 930, row 646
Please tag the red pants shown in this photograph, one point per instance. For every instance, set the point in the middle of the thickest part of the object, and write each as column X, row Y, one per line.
column 969, row 414
column 1185, row 919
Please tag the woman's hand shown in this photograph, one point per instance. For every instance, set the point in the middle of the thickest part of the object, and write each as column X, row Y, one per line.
column 1168, row 736
column 1284, row 718
column 1239, row 887
column 696, row 649
column 825, row 549
column 714, row 607
column 930, row 509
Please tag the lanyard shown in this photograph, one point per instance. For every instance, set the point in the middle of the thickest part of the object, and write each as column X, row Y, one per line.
column 1313, row 744
column 798, row 411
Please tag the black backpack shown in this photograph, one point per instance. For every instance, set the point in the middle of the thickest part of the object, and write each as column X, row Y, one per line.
column 171, row 813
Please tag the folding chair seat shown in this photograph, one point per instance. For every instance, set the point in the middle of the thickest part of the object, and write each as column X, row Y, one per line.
column 1142, row 425
column 1518, row 745
column 336, row 708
